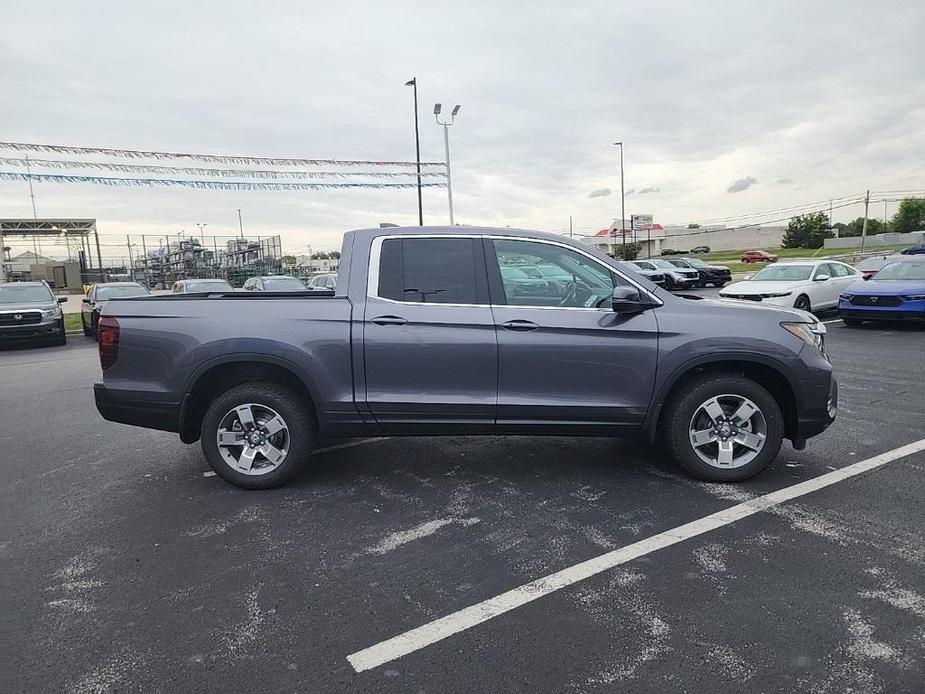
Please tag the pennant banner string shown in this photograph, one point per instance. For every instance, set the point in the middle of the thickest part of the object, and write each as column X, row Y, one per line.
column 218, row 158
column 217, row 173
column 202, row 183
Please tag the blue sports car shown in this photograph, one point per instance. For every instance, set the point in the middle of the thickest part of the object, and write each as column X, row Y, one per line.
column 897, row 292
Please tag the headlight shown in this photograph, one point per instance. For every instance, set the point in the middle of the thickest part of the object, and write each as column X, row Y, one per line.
column 775, row 295
column 845, row 297
column 52, row 312
column 811, row 333
column 915, row 297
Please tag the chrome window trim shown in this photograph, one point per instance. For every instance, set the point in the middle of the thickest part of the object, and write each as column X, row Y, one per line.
column 372, row 271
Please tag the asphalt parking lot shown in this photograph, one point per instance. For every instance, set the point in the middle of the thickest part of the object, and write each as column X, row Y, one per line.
column 129, row 567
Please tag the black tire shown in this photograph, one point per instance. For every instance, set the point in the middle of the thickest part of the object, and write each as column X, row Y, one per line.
column 719, row 285
column 292, row 408
column 852, row 322
column 669, row 283
column 802, row 302
column 681, row 409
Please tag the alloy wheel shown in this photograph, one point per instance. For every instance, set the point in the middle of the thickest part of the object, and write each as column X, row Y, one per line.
column 253, row 439
column 728, row 431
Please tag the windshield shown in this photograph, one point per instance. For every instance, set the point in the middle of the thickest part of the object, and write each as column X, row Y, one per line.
column 664, row 264
column 783, row 273
column 680, row 263
column 211, row 286
column 902, row 270
column 283, row 284
column 25, row 294
column 693, row 262
column 120, row 291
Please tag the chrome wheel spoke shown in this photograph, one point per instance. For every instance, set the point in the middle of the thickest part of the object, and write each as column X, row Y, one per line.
column 724, row 454
column 752, row 441
column 246, row 461
column 744, row 412
column 231, row 438
column 702, row 437
column 272, row 453
column 274, row 426
column 713, row 409
column 246, row 416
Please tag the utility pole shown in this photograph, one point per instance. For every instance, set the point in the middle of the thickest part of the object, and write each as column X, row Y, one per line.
column 622, row 200
column 571, row 235
column 99, row 257
column 413, row 82
column 884, row 216
column 240, row 223
column 128, row 242
column 864, row 228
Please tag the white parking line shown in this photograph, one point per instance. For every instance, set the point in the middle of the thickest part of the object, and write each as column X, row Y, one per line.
column 834, row 320
column 468, row 617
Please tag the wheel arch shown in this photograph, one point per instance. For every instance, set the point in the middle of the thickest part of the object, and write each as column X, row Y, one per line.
column 767, row 372
column 223, row 373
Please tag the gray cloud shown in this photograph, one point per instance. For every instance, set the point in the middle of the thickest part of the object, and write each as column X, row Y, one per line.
column 786, row 181
column 519, row 157
column 649, row 190
column 742, row 184
column 600, row 193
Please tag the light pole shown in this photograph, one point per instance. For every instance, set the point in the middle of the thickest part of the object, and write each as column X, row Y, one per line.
column 413, row 82
column 622, row 200
column 202, row 226
column 446, row 149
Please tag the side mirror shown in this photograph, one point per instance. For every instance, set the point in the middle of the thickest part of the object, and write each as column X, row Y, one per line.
column 821, row 278
column 85, row 300
column 62, row 299
column 628, row 300
column 747, row 277
column 866, row 277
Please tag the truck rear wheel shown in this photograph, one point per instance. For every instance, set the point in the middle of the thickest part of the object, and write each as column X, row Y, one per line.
column 723, row 428
column 257, row 435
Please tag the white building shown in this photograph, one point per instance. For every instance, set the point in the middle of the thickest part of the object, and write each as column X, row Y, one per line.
column 680, row 237
column 309, row 264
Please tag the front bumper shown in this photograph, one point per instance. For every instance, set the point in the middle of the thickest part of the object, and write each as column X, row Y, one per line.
column 783, row 301
column 132, row 408
column 906, row 311
column 815, row 394
column 49, row 327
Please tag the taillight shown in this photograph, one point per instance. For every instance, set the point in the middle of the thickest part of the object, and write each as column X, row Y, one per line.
column 107, row 329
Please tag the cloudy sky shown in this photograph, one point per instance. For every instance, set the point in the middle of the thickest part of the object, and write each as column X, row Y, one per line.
column 725, row 108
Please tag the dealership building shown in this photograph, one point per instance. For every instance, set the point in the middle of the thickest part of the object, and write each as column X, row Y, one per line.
column 678, row 237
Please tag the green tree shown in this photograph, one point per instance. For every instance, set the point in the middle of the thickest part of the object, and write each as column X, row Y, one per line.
column 910, row 216
column 631, row 253
column 855, row 228
column 288, row 260
column 807, row 231
column 693, row 226
column 326, row 255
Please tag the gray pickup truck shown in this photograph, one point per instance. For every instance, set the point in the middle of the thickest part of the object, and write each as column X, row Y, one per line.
column 457, row 331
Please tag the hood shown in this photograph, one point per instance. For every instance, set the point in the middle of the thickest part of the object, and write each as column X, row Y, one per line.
column 781, row 313
column 31, row 306
column 750, row 287
column 874, row 287
column 716, row 267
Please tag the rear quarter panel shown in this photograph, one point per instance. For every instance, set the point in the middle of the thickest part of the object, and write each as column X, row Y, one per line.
column 166, row 344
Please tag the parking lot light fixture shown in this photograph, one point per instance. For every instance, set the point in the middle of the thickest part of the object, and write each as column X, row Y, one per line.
column 446, row 148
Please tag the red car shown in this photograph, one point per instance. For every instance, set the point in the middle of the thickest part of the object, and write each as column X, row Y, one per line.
column 758, row 257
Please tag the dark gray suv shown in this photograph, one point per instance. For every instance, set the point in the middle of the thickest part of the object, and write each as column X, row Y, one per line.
column 29, row 311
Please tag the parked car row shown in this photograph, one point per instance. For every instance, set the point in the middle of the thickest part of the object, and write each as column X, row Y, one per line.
column 682, row 273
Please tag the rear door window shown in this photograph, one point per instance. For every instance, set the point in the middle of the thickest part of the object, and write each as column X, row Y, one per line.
column 432, row 271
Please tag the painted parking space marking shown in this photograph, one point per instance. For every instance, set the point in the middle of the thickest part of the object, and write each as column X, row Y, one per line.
column 834, row 320
column 466, row 618
column 349, row 444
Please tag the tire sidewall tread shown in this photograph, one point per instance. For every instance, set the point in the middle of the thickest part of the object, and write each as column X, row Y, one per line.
column 682, row 407
column 294, row 410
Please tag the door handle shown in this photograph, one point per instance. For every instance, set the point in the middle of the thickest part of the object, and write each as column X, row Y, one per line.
column 389, row 320
column 521, row 326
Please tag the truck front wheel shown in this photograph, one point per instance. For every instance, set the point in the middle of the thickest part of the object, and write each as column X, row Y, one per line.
column 257, row 435
column 723, row 428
